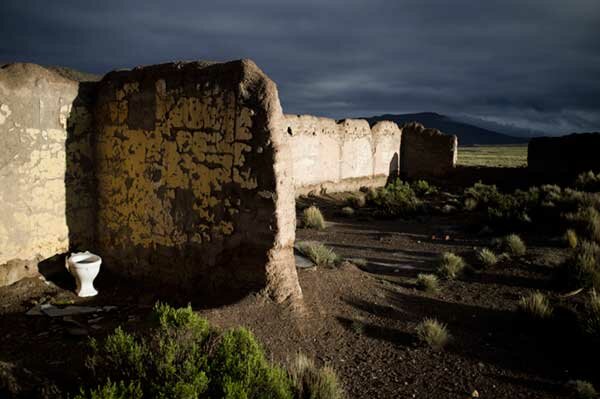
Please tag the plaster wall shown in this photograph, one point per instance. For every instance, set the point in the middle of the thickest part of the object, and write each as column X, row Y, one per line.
column 330, row 155
column 194, row 182
column 46, row 205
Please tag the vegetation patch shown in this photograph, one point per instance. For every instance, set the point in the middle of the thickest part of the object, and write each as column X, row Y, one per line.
column 582, row 389
column 312, row 382
column 174, row 361
column 588, row 181
column 428, row 282
column 582, row 268
column 450, row 265
column 433, row 333
column 487, row 257
column 312, row 218
column 512, row 244
column 397, row 199
column 348, row 211
column 536, row 306
column 319, row 254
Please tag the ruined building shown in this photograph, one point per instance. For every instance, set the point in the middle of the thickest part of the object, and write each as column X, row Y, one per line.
column 181, row 173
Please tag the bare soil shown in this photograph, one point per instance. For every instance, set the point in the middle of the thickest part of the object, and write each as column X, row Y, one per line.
column 359, row 320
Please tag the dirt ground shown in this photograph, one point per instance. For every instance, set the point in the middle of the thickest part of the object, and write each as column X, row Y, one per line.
column 359, row 320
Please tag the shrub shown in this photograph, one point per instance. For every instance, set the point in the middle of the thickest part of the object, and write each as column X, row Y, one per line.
column 588, row 181
column 487, row 257
column 347, row 211
column 311, row 382
column 181, row 357
column 396, row 199
column 423, row 188
column 433, row 333
column 583, row 389
column 356, row 200
column 428, row 282
column 312, row 218
column 319, row 254
column 592, row 315
column 239, row 369
column 513, row 245
column 571, row 238
column 450, row 265
column 587, row 219
column 536, row 305
column 582, row 269
column 111, row 390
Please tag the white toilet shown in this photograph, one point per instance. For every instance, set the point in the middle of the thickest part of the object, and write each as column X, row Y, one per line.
column 84, row 266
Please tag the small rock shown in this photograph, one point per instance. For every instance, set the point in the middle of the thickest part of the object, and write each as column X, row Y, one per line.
column 475, row 394
column 95, row 320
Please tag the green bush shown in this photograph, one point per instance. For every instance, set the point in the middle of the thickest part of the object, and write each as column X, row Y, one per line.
column 397, row 199
column 450, row 265
column 428, row 282
column 312, row 218
column 423, row 188
column 311, row 382
column 433, row 333
column 356, row 200
column 239, row 369
column 536, row 306
column 181, row 357
column 487, row 257
column 319, row 253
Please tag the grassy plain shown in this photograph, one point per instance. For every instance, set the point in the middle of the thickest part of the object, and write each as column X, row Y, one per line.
column 493, row 155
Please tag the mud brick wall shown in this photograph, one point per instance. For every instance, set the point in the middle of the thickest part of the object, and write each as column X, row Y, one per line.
column 46, row 203
column 564, row 157
column 330, row 155
column 426, row 152
column 194, row 179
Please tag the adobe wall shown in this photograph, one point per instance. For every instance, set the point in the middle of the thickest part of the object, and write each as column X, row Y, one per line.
column 46, row 205
column 426, row 153
column 342, row 155
column 563, row 157
column 194, row 181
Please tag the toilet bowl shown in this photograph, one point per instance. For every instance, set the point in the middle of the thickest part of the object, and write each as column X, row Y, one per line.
column 84, row 266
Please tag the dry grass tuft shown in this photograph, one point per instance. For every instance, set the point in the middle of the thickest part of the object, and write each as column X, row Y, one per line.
column 319, row 254
column 312, row 218
column 309, row 381
column 450, row 265
column 487, row 257
column 428, row 282
column 433, row 333
column 536, row 305
column 571, row 238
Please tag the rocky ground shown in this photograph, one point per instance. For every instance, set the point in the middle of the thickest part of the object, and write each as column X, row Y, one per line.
column 361, row 320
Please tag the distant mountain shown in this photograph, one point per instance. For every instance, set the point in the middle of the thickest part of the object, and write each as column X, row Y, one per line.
column 468, row 134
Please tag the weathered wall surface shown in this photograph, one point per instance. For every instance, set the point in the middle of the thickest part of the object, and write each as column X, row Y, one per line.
column 564, row 157
column 426, row 152
column 336, row 156
column 194, row 182
column 46, row 204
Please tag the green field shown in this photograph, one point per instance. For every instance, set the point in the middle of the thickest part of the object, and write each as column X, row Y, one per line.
column 493, row 155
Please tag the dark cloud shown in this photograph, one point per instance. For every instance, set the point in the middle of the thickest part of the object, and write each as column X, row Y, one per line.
column 528, row 63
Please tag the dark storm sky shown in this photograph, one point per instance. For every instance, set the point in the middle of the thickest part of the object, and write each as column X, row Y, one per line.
column 533, row 64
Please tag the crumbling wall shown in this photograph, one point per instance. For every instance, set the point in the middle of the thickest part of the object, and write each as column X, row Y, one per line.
column 564, row 157
column 194, row 180
column 426, row 152
column 46, row 203
column 331, row 155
